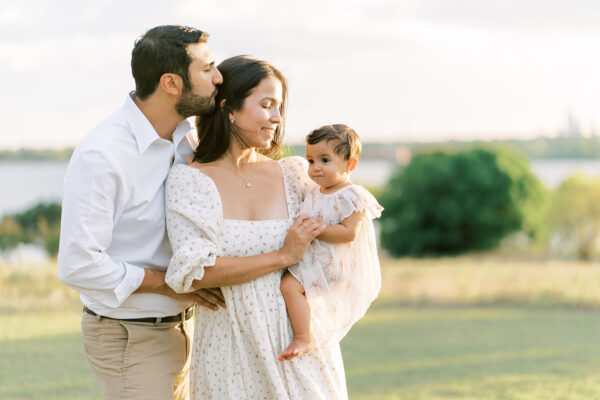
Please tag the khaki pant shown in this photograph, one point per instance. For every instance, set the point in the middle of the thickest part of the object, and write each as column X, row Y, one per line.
column 137, row 360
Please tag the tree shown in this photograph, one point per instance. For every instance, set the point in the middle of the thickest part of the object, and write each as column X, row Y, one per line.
column 575, row 214
column 445, row 203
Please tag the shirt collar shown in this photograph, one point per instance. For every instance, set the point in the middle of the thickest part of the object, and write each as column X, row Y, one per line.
column 142, row 129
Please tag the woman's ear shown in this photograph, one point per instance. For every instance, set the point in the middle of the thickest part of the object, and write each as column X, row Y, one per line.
column 351, row 164
column 171, row 84
column 222, row 104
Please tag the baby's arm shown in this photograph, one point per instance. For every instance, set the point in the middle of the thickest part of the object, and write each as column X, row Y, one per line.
column 344, row 232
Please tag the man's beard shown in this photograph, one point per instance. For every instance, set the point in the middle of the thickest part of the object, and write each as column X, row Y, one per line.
column 190, row 104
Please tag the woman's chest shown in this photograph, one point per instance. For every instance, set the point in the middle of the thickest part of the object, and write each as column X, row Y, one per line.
column 240, row 238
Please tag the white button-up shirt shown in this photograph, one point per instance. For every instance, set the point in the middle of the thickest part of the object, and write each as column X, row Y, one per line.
column 113, row 214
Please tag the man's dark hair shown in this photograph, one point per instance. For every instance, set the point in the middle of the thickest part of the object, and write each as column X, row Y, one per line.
column 163, row 50
column 241, row 74
column 345, row 139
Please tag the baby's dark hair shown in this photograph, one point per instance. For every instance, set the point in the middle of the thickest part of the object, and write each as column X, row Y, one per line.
column 347, row 141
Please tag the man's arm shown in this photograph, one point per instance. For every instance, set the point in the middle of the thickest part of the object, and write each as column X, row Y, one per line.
column 154, row 282
column 93, row 195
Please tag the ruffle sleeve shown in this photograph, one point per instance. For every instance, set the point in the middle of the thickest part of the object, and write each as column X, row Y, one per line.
column 356, row 198
column 297, row 182
column 194, row 219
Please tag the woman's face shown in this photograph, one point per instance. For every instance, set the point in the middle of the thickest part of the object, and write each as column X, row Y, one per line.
column 260, row 114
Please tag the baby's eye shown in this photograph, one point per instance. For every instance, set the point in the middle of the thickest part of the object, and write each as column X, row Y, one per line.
column 324, row 160
column 310, row 161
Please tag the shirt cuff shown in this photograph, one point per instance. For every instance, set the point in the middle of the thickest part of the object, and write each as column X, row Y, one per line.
column 132, row 280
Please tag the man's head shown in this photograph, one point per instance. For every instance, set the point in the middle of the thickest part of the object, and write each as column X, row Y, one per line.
column 179, row 55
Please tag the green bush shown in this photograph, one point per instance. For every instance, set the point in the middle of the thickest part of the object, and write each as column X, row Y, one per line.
column 39, row 224
column 444, row 203
column 575, row 215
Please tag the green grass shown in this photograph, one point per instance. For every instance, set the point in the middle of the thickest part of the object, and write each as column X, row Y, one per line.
column 474, row 353
column 462, row 328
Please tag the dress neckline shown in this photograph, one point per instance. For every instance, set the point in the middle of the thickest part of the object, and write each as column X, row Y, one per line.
column 218, row 194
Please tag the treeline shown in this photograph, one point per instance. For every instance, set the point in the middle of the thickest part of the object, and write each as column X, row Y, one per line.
column 36, row 154
column 559, row 147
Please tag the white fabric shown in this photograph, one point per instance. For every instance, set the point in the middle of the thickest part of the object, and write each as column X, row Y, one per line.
column 113, row 218
column 340, row 281
column 235, row 349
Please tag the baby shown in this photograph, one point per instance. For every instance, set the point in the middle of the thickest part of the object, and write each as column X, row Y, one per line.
column 337, row 279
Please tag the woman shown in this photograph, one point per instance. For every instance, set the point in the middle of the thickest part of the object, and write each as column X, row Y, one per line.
column 228, row 214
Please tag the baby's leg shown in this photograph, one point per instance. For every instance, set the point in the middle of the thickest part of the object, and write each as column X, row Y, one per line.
column 299, row 312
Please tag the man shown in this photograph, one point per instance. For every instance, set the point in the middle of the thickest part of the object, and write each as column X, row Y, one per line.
column 113, row 245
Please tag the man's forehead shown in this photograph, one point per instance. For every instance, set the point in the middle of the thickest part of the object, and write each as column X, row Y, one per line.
column 201, row 52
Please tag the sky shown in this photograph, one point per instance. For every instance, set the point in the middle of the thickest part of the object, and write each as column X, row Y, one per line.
column 395, row 70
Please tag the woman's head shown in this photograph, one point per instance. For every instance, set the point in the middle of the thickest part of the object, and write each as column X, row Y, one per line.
column 250, row 109
column 332, row 152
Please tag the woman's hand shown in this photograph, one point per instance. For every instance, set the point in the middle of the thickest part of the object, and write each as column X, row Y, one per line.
column 301, row 233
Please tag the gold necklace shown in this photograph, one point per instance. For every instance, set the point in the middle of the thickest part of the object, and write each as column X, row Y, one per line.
column 246, row 183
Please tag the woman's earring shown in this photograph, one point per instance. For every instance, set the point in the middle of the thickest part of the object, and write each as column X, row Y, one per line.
column 231, row 121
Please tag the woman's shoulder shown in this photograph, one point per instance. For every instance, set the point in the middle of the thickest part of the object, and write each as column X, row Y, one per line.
column 188, row 181
column 185, row 173
column 294, row 162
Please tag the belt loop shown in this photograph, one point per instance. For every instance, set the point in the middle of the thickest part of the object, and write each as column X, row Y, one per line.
column 98, row 317
column 158, row 319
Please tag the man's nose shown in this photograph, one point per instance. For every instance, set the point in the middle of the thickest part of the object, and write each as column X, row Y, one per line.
column 217, row 77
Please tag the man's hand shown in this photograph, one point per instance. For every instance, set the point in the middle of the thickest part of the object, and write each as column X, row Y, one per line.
column 154, row 282
column 210, row 298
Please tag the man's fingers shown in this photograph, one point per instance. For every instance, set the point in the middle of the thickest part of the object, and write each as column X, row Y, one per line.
column 201, row 302
column 217, row 292
column 208, row 296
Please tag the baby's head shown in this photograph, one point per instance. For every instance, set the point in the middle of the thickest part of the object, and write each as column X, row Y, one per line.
column 332, row 152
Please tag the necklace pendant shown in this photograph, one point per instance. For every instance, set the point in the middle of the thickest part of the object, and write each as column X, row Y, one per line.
column 248, row 185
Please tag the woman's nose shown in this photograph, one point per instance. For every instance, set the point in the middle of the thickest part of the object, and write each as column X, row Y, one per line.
column 276, row 116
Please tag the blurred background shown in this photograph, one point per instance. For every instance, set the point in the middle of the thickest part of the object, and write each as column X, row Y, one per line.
column 481, row 129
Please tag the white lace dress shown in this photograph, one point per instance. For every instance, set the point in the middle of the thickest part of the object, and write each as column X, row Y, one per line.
column 342, row 280
column 235, row 349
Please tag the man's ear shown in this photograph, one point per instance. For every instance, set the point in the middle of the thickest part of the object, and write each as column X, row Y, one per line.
column 351, row 164
column 171, row 84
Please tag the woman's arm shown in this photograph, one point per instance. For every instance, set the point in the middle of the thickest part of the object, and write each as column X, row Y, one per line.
column 344, row 232
column 233, row 270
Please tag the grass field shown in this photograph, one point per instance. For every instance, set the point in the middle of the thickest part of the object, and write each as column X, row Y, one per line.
column 478, row 327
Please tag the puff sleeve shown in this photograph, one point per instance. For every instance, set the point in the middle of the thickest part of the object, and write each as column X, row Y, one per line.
column 194, row 217
column 356, row 198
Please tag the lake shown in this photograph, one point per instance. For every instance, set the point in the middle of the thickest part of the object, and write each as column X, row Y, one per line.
column 26, row 183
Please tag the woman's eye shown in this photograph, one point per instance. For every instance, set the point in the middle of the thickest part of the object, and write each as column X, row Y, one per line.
column 266, row 106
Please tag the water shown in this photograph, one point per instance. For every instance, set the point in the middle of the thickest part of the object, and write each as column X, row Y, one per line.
column 24, row 184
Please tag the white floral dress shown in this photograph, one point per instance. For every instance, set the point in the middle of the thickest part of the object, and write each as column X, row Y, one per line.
column 340, row 281
column 235, row 349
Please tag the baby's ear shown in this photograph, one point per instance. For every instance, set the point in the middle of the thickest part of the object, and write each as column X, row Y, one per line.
column 351, row 164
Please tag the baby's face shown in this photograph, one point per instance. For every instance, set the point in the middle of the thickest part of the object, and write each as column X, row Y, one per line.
column 325, row 167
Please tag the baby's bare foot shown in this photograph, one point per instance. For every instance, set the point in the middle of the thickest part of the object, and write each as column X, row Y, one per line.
column 299, row 345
